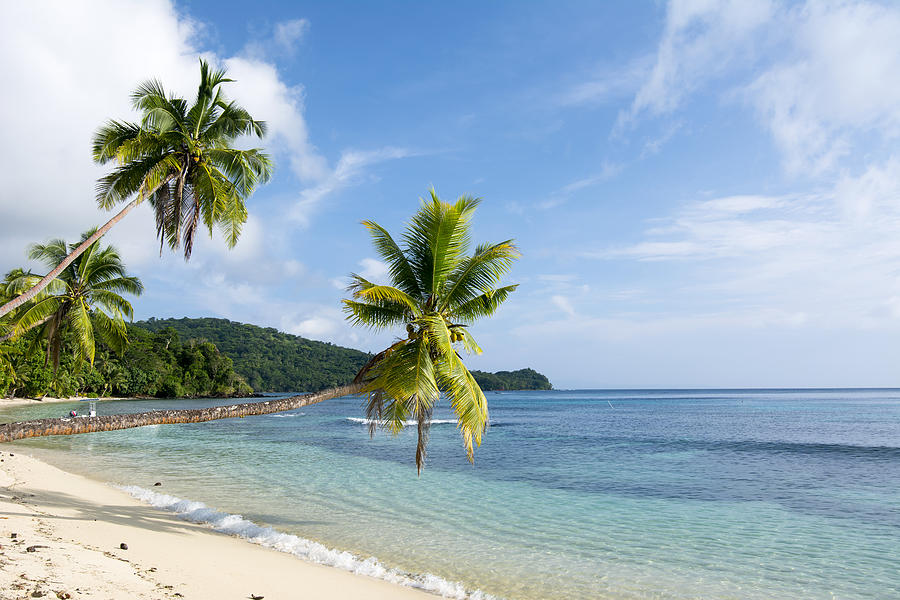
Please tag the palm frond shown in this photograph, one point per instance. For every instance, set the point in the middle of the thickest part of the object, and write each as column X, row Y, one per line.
column 80, row 321
column 111, row 330
column 374, row 316
column 36, row 314
column 110, row 137
column 484, row 305
column 479, row 273
column 398, row 266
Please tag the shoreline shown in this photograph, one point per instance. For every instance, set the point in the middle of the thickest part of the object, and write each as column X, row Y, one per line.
column 75, row 526
column 20, row 401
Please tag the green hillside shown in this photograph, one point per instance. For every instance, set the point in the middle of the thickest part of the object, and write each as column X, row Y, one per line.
column 523, row 379
column 272, row 361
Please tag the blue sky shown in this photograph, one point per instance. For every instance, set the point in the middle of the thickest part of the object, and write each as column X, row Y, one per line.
column 705, row 193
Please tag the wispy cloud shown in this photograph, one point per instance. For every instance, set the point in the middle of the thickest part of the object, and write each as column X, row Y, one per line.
column 837, row 82
column 831, row 256
column 820, row 76
column 607, row 171
column 606, row 84
column 349, row 169
column 700, row 41
column 284, row 40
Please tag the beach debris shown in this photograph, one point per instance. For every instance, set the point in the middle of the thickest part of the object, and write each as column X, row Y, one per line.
column 13, row 535
column 255, row 597
column 63, row 595
column 123, row 546
column 157, row 483
column 38, row 594
column 34, row 548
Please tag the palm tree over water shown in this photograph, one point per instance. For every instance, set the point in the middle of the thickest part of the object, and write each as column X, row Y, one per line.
column 84, row 300
column 437, row 291
column 180, row 158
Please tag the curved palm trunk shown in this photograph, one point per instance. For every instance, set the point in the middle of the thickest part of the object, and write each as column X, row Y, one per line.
column 19, row 300
column 41, row 427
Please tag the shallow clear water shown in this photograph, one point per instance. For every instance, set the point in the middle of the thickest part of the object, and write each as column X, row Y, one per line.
column 574, row 494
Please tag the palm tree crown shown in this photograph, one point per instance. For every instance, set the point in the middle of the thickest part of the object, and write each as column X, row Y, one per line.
column 438, row 290
column 84, row 299
column 180, row 157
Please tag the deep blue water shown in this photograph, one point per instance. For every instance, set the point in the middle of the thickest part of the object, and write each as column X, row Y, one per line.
column 573, row 494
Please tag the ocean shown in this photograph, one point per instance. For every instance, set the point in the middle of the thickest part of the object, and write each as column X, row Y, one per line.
column 620, row 494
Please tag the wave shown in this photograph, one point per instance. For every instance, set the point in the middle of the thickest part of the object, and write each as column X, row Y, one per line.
column 197, row 512
column 406, row 422
column 285, row 415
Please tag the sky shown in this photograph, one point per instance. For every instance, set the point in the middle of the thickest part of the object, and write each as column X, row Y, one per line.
column 705, row 194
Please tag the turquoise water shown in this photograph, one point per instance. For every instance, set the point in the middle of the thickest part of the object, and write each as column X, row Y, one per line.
column 581, row 494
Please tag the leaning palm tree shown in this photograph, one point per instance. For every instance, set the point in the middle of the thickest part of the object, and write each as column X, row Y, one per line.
column 181, row 158
column 438, row 291
column 84, row 300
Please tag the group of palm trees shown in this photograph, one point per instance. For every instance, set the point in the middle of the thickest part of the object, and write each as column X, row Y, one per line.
column 181, row 159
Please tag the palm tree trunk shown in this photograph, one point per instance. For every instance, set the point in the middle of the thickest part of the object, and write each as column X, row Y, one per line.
column 26, row 429
column 19, row 300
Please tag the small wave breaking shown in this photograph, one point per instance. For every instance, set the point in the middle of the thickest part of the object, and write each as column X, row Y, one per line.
column 362, row 421
column 197, row 512
column 285, row 415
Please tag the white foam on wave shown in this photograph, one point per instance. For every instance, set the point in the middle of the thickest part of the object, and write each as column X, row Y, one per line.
column 286, row 416
column 197, row 512
column 406, row 422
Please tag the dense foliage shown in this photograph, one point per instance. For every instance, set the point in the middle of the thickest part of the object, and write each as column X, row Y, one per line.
column 204, row 357
column 153, row 364
column 269, row 360
column 272, row 361
column 523, row 379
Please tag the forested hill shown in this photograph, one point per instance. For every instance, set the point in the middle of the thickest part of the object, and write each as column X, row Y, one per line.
column 272, row 361
column 523, row 379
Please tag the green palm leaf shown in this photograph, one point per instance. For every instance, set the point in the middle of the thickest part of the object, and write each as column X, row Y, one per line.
column 436, row 290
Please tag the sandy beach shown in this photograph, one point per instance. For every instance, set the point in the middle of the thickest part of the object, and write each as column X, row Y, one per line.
column 61, row 536
column 4, row 402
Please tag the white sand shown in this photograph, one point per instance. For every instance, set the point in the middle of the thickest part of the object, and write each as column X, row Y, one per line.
column 79, row 524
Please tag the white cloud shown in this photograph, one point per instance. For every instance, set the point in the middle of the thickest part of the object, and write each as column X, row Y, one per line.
column 607, row 171
column 262, row 91
column 701, row 40
column 609, row 84
column 830, row 257
column 374, row 270
column 839, row 80
column 348, row 170
column 284, row 41
column 820, row 76
column 67, row 82
column 288, row 34
column 563, row 304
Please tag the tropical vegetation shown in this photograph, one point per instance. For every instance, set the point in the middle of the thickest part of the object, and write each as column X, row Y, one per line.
column 206, row 357
column 182, row 158
column 271, row 361
column 156, row 364
column 437, row 290
column 523, row 379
